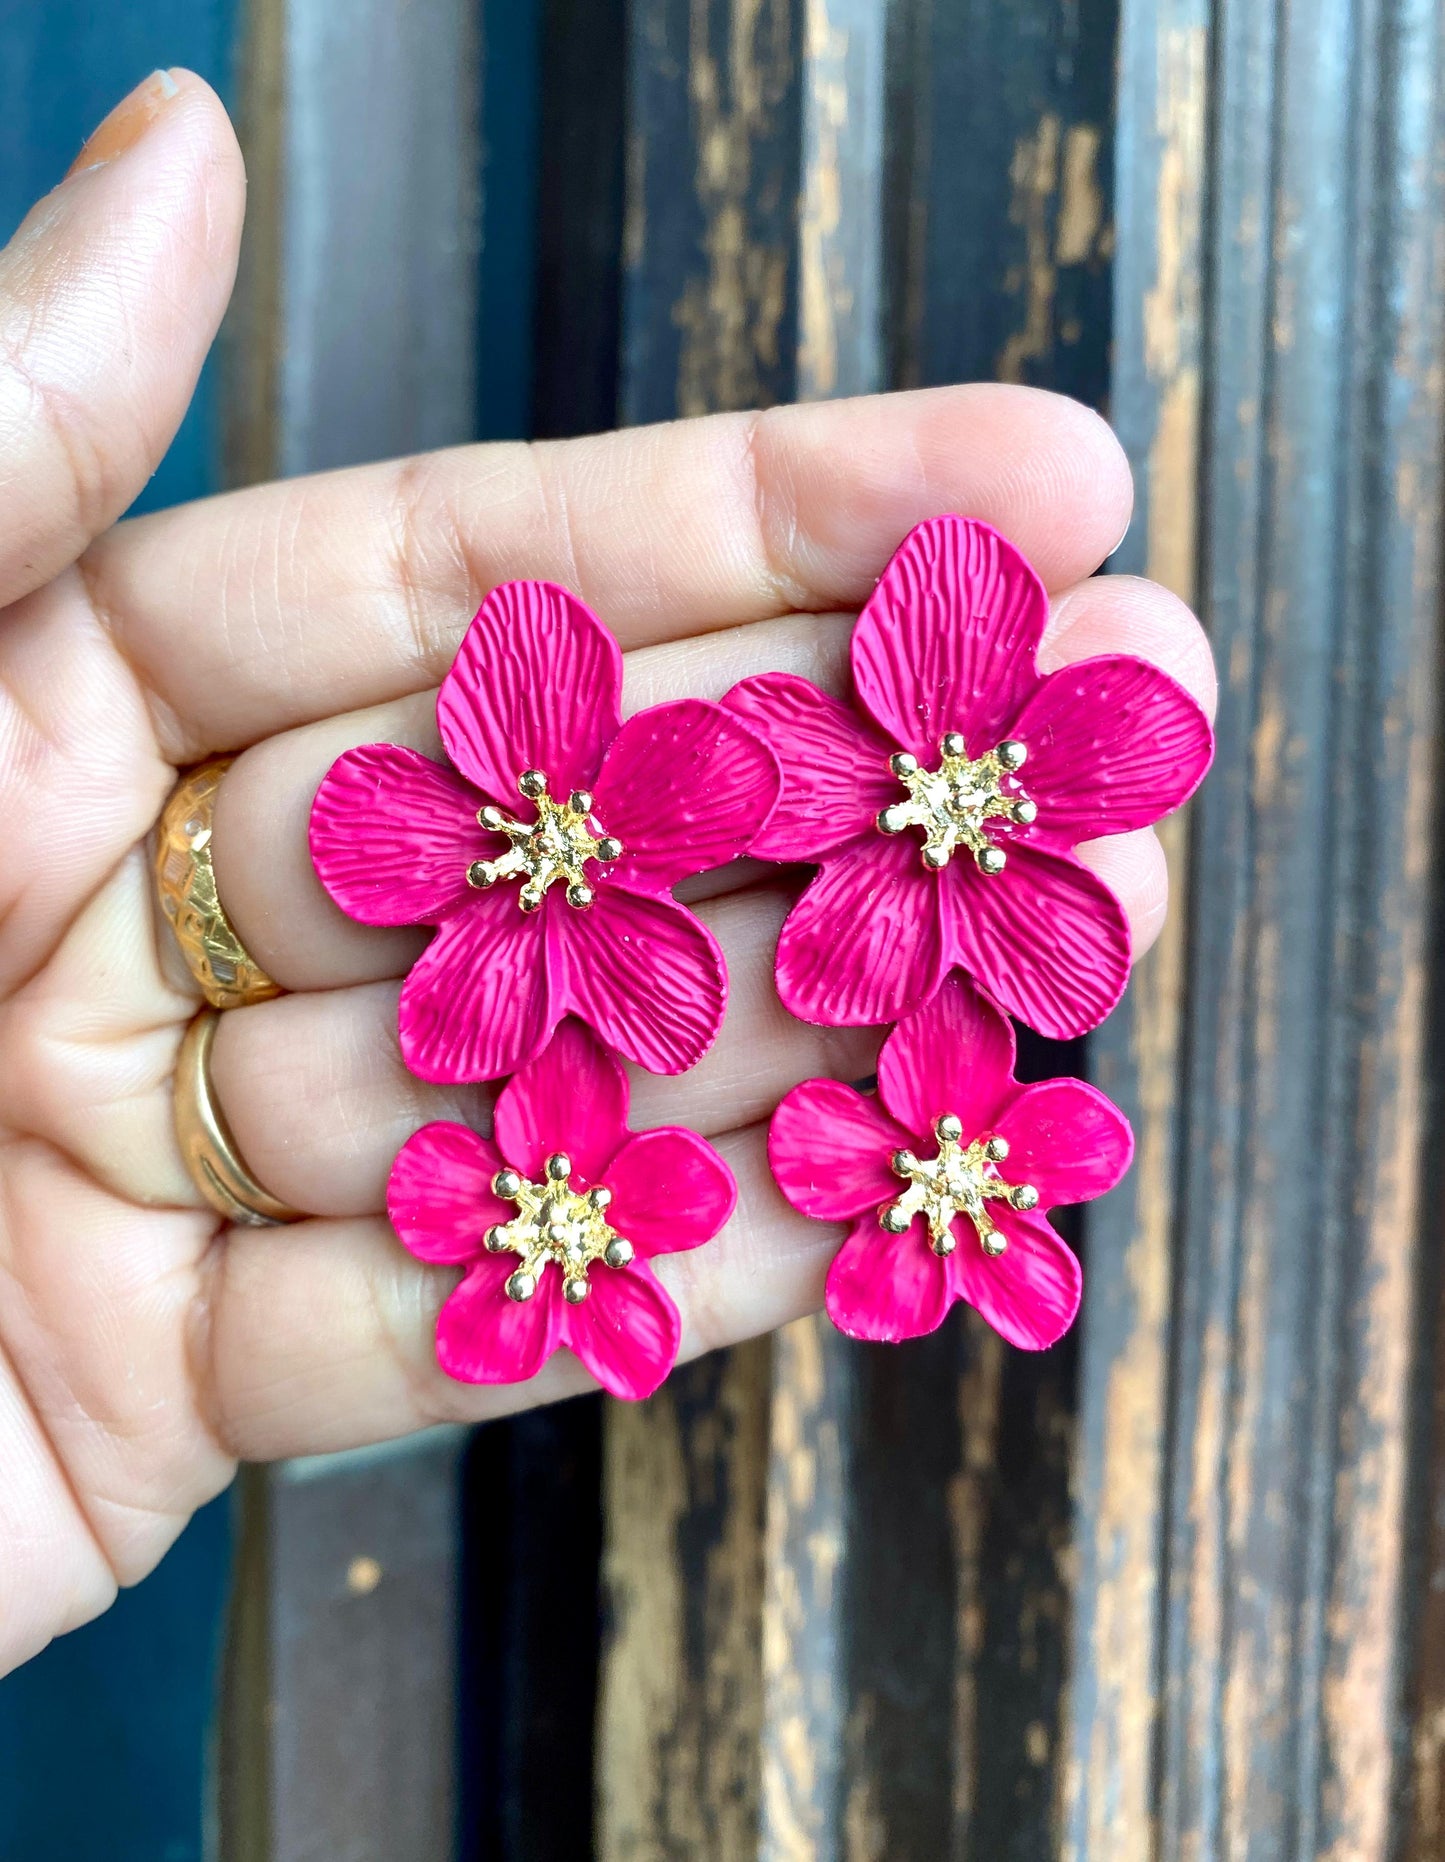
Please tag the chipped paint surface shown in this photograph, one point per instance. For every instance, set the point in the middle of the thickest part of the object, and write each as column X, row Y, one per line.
column 680, row 1717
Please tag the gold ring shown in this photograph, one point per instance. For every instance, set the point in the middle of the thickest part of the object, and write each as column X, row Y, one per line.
column 216, row 1166
column 186, row 882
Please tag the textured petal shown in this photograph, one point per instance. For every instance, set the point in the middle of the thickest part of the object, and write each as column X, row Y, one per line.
column 572, row 1097
column 684, row 787
column 955, row 1054
column 1045, row 938
column 647, row 976
column 439, row 1195
column 392, row 836
column 1029, row 1293
column 626, row 1331
column 947, row 640
column 534, row 685
column 485, row 1338
column 1066, row 1139
column 828, row 1148
column 887, row 1286
column 864, row 943
column 1113, row 744
column 478, row 1002
column 670, row 1190
column 835, row 766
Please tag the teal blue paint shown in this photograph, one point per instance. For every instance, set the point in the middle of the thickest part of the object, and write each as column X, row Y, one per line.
column 511, row 102
column 63, row 64
column 103, row 1737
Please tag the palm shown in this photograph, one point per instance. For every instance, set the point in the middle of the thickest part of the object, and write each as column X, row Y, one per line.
column 143, row 1348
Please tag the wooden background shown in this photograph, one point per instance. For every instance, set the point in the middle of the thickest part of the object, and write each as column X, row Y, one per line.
column 1174, row 1592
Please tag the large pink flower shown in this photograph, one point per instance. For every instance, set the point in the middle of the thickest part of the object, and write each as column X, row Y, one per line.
column 567, row 909
column 946, row 1175
column 555, row 1218
column 945, row 799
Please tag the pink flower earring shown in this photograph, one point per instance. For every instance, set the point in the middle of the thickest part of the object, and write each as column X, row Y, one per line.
column 943, row 800
column 545, row 856
column 946, row 1177
column 556, row 1219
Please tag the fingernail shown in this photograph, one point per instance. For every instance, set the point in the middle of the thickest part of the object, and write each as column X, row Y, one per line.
column 127, row 122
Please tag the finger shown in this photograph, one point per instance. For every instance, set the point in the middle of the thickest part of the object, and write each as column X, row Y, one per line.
column 263, row 865
column 110, row 295
column 319, row 1102
column 321, row 1335
column 284, row 603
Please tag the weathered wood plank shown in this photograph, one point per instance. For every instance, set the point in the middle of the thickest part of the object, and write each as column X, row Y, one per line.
column 1003, row 137
column 708, row 319
column 1155, row 395
column 354, row 339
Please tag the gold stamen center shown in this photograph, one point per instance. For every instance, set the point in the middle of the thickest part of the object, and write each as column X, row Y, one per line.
column 952, row 803
column 961, row 1180
column 555, row 847
column 555, row 1223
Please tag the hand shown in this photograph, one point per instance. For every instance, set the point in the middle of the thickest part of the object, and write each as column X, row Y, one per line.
column 144, row 1348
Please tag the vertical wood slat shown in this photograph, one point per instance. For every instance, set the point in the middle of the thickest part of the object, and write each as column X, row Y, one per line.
column 808, row 1588
column 1008, row 160
column 354, row 339
column 916, row 1501
column 1121, row 1457
column 709, row 289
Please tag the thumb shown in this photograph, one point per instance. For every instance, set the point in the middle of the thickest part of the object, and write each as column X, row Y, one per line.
column 110, row 295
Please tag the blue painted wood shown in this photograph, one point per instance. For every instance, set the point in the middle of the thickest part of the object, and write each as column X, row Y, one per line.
column 102, row 1738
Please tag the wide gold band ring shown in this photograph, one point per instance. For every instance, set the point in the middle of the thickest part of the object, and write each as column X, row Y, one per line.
column 216, row 1166
column 186, row 883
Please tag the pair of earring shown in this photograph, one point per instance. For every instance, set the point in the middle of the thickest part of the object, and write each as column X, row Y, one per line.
column 941, row 798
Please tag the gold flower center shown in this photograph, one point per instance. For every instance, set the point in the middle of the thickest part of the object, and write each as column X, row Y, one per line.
column 556, row 846
column 961, row 1180
column 952, row 803
column 555, row 1223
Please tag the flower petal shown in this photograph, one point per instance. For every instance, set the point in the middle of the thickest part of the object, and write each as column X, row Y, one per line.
column 571, row 1097
column 1067, row 1140
column 828, row 1149
column 835, row 766
column 947, row 640
column 955, row 1054
column 683, row 787
column 670, row 1190
column 534, row 685
column 485, row 1338
column 646, row 975
column 478, row 1002
column 1030, row 1293
column 1114, row 744
column 626, row 1331
column 392, row 835
column 887, row 1287
column 1045, row 938
column 864, row 943
column 439, row 1194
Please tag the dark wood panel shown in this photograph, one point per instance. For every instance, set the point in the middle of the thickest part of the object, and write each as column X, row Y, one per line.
column 1162, row 115
column 338, row 1720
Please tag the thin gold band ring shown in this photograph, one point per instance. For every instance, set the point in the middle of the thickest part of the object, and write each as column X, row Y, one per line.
column 216, row 1166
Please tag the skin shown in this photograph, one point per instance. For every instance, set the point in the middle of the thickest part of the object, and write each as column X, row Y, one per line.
column 143, row 1347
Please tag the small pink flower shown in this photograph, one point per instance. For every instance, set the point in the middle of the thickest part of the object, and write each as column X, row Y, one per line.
column 946, row 1175
column 567, row 910
column 945, row 799
column 555, row 1218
